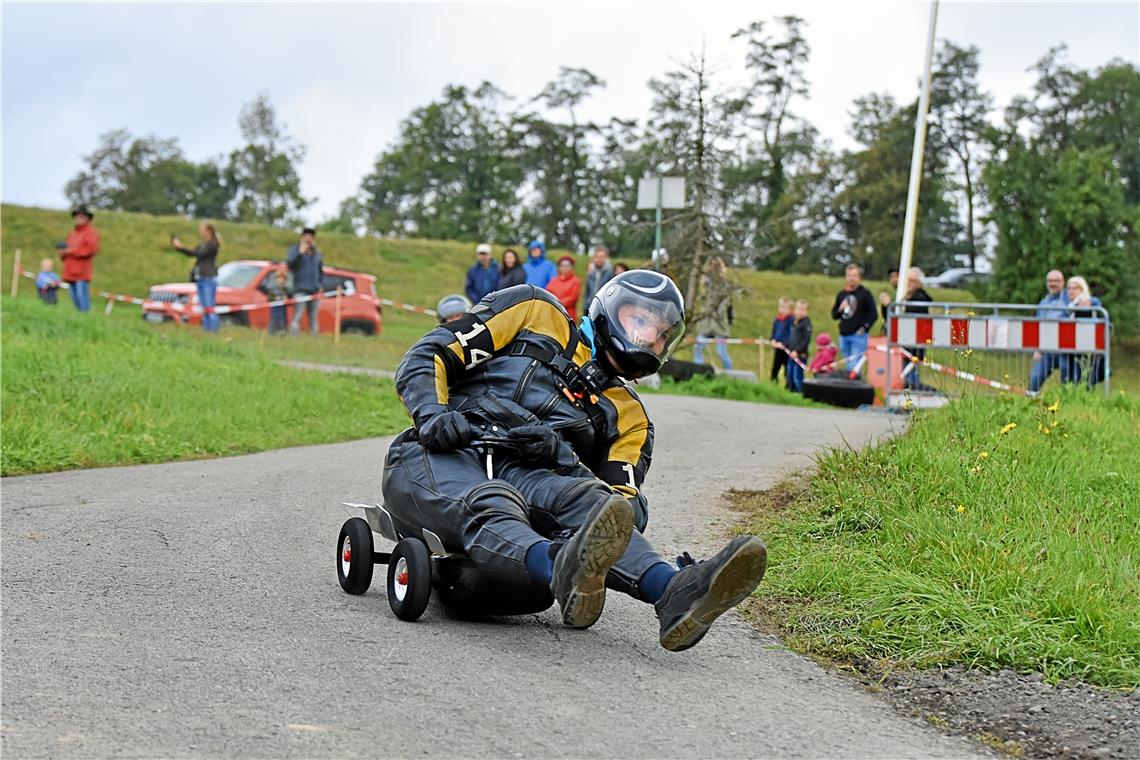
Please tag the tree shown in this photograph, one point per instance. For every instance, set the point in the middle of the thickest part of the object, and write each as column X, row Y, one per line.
column 691, row 121
column 773, row 141
column 148, row 175
column 560, row 197
column 263, row 173
column 872, row 202
column 959, row 111
column 452, row 173
column 1062, row 184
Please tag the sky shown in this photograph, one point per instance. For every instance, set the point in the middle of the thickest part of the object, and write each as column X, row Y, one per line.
column 342, row 76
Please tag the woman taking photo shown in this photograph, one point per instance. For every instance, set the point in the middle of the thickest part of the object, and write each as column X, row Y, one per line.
column 205, row 271
column 510, row 273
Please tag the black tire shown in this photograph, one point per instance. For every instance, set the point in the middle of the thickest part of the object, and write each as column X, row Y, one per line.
column 354, row 556
column 839, row 391
column 409, row 579
column 357, row 328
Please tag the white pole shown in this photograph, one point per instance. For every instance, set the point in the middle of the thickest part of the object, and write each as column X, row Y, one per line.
column 916, row 161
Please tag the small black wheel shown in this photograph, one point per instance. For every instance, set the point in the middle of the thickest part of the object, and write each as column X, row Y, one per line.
column 354, row 556
column 409, row 579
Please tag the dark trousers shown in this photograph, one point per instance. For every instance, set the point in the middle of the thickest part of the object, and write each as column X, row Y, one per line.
column 495, row 521
column 779, row 359
column 278, row 322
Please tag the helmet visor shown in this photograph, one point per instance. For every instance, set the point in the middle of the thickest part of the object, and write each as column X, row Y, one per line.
column 644, row 322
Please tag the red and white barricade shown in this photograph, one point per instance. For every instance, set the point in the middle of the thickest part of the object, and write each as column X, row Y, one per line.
column 995, row 327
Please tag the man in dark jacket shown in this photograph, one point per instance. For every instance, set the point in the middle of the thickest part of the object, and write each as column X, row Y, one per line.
column 304, row 260
column 598, row 274
column 856, row 311
column 798, row 345
column 563, row 510
column 483, row 276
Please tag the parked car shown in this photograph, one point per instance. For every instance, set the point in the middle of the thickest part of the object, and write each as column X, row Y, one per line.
column 958, row 277
column 243, row 282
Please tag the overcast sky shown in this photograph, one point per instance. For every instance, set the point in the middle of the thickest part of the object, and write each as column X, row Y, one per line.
column 343, row 76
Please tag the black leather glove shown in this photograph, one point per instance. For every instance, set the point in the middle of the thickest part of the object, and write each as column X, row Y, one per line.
column 539, row 445
column 445, row 431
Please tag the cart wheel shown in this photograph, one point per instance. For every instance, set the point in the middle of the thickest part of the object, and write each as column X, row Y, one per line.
column 354, row 556
column 409, row 579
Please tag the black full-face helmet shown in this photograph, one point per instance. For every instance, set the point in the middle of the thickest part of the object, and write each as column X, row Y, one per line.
column 638, row 319
column 452, row 306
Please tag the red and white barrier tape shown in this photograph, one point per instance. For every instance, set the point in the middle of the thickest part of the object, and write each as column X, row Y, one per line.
column 958, row 373
column 409, row 307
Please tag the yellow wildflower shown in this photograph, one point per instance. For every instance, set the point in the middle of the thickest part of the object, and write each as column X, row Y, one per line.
column 1056, row 407
column 1008, row 427
column 1044, row 430
column 961, row 509
column 983, row 455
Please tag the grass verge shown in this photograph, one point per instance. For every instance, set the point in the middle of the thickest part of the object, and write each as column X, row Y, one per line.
column 730, row 388
column 83, row 391
column 996, row 533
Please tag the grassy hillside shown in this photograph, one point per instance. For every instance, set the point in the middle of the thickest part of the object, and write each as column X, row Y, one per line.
column 135, row 255
column 83, row 391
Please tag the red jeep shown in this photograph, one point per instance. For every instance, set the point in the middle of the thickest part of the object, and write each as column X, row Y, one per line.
column 242, row 282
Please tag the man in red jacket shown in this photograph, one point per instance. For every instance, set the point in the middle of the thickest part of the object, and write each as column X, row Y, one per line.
column 81, row 247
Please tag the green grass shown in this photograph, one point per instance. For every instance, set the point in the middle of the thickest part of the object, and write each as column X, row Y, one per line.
column 996, row 533
column 731, row 388
column 83, row 391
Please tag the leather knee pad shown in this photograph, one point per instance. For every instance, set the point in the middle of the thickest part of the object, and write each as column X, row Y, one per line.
column 495, row 498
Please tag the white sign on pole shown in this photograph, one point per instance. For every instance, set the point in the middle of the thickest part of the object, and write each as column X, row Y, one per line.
column 672, row 192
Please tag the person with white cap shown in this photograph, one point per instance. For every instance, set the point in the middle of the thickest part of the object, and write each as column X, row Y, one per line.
column 483, row 276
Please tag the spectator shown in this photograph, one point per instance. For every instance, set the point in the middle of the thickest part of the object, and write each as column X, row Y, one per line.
column 512, row 272
column 47, row 281
column 81, row 247
column 715, row 314
column 798, row 345
column 1091, row 366
column 566, row 287
column 1055, row 305
column 600, row 272
column 483, row 276
column 539, row 271
column 855, row 309
column 304, row 261
column 451, row 308
column 915, row 292
column 206, row 271
column 781, row 333
column 824, row 360
column 888, row 297
column 620, row 267
column 278, row 288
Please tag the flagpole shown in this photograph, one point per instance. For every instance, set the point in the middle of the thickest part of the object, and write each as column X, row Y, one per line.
column 907, row 252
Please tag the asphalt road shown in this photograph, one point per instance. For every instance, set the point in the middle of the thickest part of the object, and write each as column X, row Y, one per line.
column 192, row 610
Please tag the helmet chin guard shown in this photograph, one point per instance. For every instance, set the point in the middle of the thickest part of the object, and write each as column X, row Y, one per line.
column 638, row 319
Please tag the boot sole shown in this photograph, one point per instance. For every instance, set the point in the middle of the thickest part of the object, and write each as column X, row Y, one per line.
column 606, row 541
column 730, row 586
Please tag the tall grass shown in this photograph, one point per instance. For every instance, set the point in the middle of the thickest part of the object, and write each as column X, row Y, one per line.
column 998, row 532
column 83, row 391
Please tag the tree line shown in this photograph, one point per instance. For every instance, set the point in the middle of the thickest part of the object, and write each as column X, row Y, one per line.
column 1054, row 182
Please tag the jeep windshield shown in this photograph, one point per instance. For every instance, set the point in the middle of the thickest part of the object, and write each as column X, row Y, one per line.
column 233, row 275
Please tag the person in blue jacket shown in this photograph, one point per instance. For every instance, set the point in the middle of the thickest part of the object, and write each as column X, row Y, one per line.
column 539, row 271
column 483, row 276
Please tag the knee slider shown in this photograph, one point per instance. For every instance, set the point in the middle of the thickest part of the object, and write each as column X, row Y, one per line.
column 496, row 498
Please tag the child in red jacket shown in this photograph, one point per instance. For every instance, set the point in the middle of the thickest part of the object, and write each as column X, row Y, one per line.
column 824, row 360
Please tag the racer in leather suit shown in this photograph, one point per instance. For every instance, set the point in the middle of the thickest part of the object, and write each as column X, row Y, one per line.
column 564, row 506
